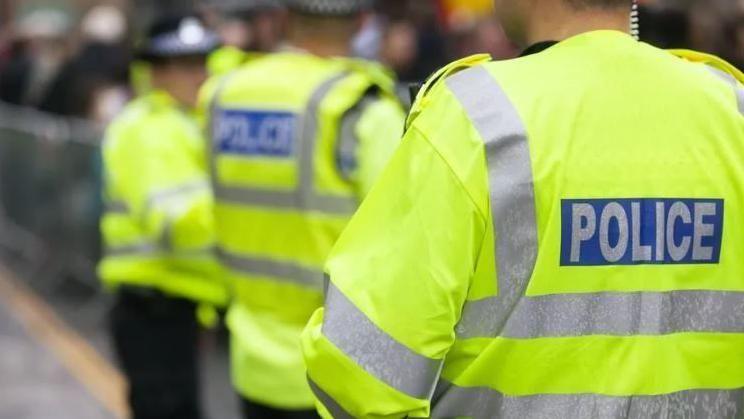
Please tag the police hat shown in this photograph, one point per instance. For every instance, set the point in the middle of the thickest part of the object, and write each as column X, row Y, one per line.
column 177, row 36
column 330, row 7
column 246, row 6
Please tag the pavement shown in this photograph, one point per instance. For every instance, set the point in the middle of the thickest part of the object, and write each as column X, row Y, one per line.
column 56, row 362
column 34, row 384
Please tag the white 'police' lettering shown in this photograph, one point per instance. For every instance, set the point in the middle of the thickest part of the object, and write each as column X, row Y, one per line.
column 640, row 231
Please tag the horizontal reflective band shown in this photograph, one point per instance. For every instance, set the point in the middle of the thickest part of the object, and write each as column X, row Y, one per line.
column 375, row 351
column 117, row 207
column 484, row 403
column 149, row 249
column 280, row 271
column 511, row 186
column 176, row 192
column 738, row 88
column 142, row 249
column 613, row 314
column 336, row 205
column 334, row 408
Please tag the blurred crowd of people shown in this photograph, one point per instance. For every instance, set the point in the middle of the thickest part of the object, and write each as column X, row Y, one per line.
column 80, row 67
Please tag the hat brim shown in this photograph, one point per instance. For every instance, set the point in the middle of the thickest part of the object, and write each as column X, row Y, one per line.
column 173, row 47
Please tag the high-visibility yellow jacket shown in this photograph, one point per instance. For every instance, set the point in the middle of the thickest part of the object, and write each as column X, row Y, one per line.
column 297, row 141
column 558, row 236
column 158, row 226
column 227, row 58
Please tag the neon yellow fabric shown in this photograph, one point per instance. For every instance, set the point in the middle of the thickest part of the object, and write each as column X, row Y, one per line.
column 224, row 60
column 539, row 366
column 162, row 232
column 711, row 60
column 227, row 58
column 422, row 244
column 270, row 312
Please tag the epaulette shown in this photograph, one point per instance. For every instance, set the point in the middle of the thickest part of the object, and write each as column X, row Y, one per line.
column 711, row 60
column 422, row 97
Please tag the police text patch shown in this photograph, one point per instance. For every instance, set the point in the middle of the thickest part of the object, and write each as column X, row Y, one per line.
column 256, row 133
column 641, row 231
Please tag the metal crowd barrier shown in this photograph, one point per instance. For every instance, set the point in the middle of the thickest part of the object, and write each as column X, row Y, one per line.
column 49, row 197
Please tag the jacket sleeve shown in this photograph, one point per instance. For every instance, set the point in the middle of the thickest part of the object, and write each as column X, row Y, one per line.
column 399, row 276
column 158, row 169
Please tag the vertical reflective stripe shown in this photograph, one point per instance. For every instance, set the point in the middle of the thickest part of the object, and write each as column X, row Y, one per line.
column 481, row 402
column 305, row 197
column 348, row 142
column 512, row 192
column 280, row 270
column 308, row 144
column 334, row 408
column 375, row 351
column 738, row 87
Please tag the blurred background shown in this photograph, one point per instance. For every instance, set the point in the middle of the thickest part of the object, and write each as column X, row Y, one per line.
column 65, row 73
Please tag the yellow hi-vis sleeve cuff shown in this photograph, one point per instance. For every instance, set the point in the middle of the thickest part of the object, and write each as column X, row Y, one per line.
column 345, row 390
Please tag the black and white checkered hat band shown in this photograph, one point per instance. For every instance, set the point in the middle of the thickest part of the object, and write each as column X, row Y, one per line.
column 246, row 5
column 173, row 45
column 330, row 7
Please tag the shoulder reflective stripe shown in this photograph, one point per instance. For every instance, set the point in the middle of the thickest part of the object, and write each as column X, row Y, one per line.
column 305, row 197
column 280, row 271
column 175, row 192
column 480, row 402
column 116, row 207
column 141, row 249
column 334, row 408
column 375, row 351
column 512, row 192
column 615, row 314
column 336, row 205
column 738, row 88
column 348, row 142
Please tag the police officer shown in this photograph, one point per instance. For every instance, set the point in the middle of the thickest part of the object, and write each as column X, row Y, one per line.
column 158, row 227
column 298, row 139
column 557, row 236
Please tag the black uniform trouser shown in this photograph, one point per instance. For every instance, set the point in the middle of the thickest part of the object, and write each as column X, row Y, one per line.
column 156, row 340
column 253, row 410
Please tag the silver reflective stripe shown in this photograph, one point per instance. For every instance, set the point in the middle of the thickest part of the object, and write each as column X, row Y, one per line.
column 305, row 197
column 511, row 314
column 277, row 270
column 151, row 249
column 738, row 88
column 176, row 192
column 485, row 403
column 117, row 207
column 512, row 192
column 334, row 408
column 141, row 249
column 614, row 314
column 375, row 351
column 285, row 200
column 348, row 142
column 121, row 207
